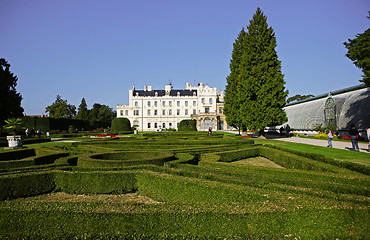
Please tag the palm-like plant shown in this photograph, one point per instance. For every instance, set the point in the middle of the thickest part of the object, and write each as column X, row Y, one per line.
column 14, row 124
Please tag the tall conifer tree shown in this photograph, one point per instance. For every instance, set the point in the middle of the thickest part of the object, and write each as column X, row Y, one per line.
column 260, row 82
column 83, row 112
column 10, row 99
column 231, row 107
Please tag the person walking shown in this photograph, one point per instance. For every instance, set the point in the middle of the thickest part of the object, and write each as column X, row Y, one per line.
column 353, row 133
column 287, row 129
column 281, row 131
column 209, row 131
column 330, row 139
column 33, row 131
column 368, row 137
column 27, row 133
column 39, row 133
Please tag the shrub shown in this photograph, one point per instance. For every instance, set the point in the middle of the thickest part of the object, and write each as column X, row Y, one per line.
column 23, row 185
column 95, row 182
column 187, row 125
column 121, row 124
column 35, row 140
column 71, row 129
column 14, row 155
column 122, row 159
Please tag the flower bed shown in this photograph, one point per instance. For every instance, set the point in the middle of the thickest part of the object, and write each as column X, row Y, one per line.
column 103, row 136
column 324, row 135
column 349, row 138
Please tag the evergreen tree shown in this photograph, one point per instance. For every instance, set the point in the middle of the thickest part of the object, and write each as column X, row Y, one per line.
column 359, row 53
column 259, row 81
column 61, row 109
column 83, row 112
column 232, row 107
column 10, row 100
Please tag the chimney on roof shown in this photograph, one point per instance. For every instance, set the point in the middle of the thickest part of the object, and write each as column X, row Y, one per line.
column 144, row 87
column 168, row 88
column 149, row 88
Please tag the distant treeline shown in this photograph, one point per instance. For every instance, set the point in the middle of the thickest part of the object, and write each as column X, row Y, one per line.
column 62, row 124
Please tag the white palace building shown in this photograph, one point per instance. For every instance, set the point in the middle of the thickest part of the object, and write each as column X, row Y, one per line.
column 156, row 110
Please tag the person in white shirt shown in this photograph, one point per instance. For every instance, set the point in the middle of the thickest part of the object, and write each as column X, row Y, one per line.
column 330, row 139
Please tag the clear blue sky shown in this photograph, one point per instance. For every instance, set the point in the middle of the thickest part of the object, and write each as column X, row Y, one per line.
column 99, row 49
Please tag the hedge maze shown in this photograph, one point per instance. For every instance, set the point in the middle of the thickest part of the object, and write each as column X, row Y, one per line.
column 201, row 188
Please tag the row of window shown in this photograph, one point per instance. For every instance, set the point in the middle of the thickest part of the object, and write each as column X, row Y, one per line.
column 149, row 103
column 164, row 112
column 156, row 125
column 178, row 112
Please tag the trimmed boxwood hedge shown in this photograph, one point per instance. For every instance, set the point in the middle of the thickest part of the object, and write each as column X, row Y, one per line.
column 122, row 159
column 285, row 159
column 26, row 184
column 97, row 182
column 17, row 154
column 35, row 140
column 121, row 124
column 187, row 125
column 183, row 158
column 318, row 157
column 61, row 124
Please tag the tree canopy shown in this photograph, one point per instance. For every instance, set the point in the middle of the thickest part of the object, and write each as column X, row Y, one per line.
column 359, row 53
column 298, row 98
column 83, row 112
column 101, row 112
column 10, row 99
column 61, row 109
column 255, row 93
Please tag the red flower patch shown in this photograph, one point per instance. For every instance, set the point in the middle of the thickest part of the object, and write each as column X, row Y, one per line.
column 103, row 136
column 346, row 138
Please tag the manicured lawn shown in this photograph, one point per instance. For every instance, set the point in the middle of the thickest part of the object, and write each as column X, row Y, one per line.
column 339, row 154
column 219, row 187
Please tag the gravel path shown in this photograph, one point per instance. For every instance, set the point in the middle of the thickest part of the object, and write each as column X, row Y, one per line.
column 317, row 142
column 323, row 143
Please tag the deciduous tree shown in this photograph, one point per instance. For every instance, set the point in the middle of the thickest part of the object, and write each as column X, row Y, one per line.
column 298, row 97
column 359, row 53
column 61, row 109
column 101, row 112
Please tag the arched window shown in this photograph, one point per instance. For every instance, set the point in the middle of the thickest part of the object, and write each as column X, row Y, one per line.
column 330, row 112
column 148, row 125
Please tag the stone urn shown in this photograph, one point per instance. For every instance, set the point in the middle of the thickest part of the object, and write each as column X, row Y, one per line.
column 15, row 141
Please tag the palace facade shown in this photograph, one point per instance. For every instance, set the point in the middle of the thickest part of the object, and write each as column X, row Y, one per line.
column 156, row 110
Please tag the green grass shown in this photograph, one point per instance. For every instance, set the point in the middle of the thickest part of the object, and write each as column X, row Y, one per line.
column 339, row 154
column 212, row 191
